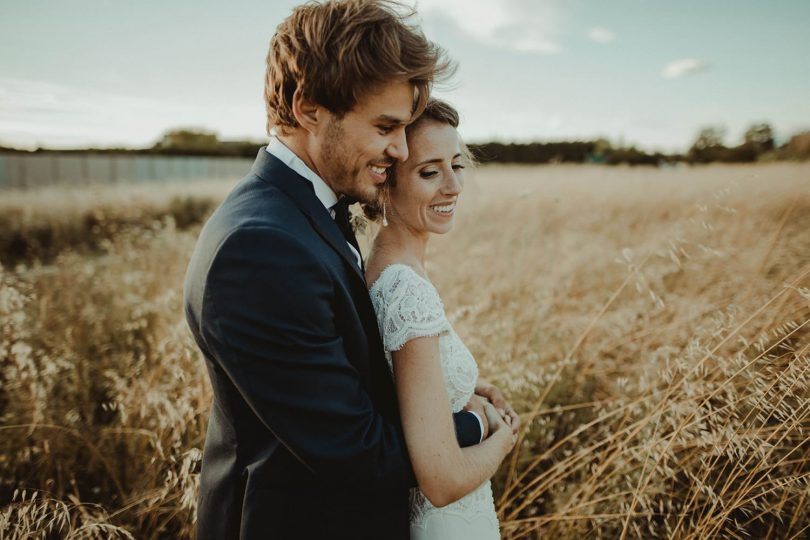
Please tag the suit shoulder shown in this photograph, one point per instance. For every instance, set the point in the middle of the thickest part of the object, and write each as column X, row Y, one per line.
column 253, row 203
column 264, row 241
column 255, row 226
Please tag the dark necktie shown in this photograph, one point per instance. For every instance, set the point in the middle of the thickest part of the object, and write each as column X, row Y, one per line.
column 342, row 221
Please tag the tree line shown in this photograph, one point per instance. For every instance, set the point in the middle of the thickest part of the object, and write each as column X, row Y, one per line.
column 757, row 144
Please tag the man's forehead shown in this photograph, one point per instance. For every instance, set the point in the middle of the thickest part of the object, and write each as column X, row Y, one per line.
column 392, row 103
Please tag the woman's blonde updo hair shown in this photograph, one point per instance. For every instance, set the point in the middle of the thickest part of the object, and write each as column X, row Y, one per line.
column 436, row 110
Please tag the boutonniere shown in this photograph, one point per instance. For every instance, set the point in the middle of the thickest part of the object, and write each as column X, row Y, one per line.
column 357, row 220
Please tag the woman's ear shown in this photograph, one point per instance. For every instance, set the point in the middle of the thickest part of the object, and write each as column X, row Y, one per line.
column 306, row 112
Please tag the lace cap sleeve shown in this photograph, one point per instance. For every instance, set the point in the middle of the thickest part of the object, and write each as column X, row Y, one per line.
column 407, row 306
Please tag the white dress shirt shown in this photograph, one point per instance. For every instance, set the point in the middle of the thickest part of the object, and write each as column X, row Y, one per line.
column 322, row 190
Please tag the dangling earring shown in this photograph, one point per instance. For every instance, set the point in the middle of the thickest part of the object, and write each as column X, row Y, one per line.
column 384, row 198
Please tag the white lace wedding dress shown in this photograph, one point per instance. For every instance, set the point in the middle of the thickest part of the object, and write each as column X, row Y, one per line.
column 407, row 307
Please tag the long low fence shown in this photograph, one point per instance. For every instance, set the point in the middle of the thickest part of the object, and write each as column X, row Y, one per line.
column 31, row 171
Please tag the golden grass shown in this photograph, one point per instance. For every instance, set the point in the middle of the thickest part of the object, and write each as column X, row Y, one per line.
column 651, row 326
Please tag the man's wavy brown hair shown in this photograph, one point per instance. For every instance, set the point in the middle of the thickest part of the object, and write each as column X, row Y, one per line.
column 338, row 50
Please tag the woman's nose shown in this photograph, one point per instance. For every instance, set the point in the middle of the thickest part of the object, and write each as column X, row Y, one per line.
column 452, row 184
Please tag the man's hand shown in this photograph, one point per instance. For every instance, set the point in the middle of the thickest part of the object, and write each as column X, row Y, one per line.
column 476, row 405
column 494, row 396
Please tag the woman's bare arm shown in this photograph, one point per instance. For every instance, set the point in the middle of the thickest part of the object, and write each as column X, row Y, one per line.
column 444, row 471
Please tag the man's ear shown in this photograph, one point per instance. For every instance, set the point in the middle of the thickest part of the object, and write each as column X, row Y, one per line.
column 308, row 113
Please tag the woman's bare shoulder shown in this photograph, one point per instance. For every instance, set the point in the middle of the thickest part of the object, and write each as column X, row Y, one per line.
column 376, row 266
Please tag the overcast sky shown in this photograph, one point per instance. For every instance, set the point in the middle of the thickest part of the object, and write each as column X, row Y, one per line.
column 645, row 72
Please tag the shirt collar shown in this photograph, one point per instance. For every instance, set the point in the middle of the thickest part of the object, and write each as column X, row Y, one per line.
column 322, row 190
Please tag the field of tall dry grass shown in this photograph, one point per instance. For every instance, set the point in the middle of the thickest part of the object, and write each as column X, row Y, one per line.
column 651, row 327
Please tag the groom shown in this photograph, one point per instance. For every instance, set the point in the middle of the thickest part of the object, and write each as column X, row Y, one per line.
column 304, row 439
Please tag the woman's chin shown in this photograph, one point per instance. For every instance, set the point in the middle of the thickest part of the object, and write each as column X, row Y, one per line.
column 442, row 228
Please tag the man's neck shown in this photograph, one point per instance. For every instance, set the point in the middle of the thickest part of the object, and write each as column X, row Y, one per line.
column 298, row 143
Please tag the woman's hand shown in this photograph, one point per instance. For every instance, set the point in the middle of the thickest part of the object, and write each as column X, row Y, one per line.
column 499, row 428
column 494, row 395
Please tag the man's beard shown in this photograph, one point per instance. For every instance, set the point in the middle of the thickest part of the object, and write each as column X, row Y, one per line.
column 343, row 179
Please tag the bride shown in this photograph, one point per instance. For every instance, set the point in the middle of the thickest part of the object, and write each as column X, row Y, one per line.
column 434, row 372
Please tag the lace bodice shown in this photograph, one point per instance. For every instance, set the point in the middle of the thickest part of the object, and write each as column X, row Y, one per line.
column 408, row 306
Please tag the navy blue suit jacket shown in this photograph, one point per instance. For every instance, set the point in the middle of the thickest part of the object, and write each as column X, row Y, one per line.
column 304, row 438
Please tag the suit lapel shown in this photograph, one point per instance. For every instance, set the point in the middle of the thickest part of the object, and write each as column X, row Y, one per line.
column 271, row 170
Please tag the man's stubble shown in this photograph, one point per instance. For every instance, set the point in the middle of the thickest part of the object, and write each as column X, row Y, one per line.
column 344, row 178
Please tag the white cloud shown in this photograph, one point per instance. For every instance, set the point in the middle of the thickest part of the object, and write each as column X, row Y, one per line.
column 681, row 67
column 599, row 34
column 521, row 25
